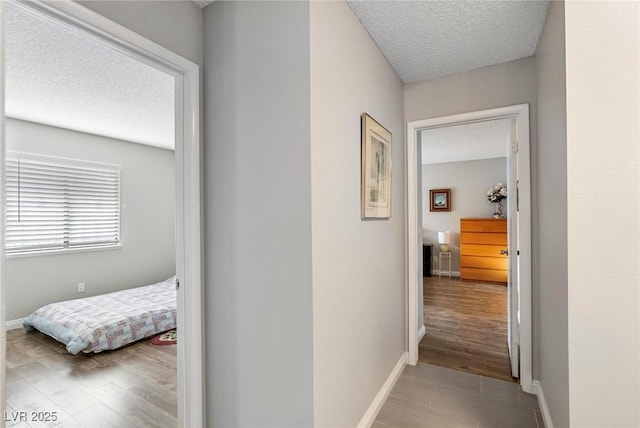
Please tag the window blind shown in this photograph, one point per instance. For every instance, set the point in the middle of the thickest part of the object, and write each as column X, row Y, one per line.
column 57, row 204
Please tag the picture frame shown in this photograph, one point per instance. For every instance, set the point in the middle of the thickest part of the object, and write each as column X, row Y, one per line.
column 440, row 199
column 375, row 169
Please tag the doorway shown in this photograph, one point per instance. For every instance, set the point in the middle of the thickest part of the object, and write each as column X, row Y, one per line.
column 187, row 183
column 519, row 288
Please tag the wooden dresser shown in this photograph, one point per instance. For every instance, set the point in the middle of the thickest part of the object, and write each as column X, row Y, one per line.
column 481, row 240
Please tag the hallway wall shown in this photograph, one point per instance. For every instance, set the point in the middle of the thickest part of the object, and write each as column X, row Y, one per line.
column 358, row 265
column 552, row 185
column 258, row 215
column 603, row 202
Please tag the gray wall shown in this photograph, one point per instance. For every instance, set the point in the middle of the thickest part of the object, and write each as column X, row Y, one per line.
column 147, row 222
column 358, row 265
column 552, row 220
column 495, row 86
column 469, row 182
column 490, row 87
column 258, row 215
column 176, row 25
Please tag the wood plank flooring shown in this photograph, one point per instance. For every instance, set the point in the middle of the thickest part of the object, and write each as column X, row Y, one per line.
column 428, row 396
column 466, row 327
column 134, row 386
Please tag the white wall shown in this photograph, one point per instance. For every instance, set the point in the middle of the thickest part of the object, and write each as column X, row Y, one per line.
column 469, row 182
column 490, row 87
column 147, row 255
column 258, row 215
column 603, row 202
column 358, row 266
column 552, row 217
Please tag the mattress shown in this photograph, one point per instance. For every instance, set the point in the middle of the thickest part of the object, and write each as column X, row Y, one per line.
column 108, row 321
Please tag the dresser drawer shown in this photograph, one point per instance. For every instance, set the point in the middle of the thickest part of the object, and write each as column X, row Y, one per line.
column 490, row 275
column 482, row 250
column 500, row 263
column 484, row 238
column 483, row 225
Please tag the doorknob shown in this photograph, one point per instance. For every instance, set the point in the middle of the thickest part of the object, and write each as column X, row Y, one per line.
column 504, row 252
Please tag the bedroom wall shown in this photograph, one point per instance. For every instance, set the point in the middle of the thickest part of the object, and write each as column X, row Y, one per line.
column 147, row 222
column 552, row 183
column 258, row 215
column 499, row 85
column 358, row 265
column 469, row 182
column 603, row 166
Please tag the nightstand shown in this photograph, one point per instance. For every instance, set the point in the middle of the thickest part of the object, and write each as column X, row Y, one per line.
column 441, row 259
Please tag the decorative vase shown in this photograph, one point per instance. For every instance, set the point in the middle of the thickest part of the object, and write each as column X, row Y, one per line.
column 497, row 213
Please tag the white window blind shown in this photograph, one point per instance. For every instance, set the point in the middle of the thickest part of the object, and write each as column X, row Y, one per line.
column 58, row 204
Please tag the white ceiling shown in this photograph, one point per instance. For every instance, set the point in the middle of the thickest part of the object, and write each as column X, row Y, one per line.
column 61, row 77
column 473, row 141
column 427, row 39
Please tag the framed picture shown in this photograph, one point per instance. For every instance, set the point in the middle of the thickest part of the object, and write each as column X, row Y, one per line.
column 376, row 169
column 440, row 199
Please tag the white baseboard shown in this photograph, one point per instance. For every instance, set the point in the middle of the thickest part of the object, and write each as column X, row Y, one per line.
column 445, row 274
column 14, row 324
column 377, row 403
column 542, row 402
column 421, row 332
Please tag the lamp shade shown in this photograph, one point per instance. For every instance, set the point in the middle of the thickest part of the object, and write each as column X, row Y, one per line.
column 444, row 237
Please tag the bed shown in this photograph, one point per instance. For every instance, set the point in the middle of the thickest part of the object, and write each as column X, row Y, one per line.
column 108, row 321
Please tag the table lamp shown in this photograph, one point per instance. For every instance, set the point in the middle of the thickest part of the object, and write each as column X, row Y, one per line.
column 443, row 239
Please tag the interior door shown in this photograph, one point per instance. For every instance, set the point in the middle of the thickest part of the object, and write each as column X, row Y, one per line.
column 513, row 283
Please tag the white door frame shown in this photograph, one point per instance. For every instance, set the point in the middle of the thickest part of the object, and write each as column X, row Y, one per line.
column 3, row 341
column 190, row 355
column 414, row 230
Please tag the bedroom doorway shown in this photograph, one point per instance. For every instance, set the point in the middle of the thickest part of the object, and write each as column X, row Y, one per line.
column 519, row 288
column 186, row 125
column 465, row 313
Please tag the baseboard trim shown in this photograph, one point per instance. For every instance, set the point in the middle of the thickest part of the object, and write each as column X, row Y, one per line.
column 377, row 403
column 542, row 402
column 454, row 274
column 421, row 332
column 14, row 324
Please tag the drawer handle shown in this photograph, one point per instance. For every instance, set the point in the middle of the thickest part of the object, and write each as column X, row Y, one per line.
column 504, row 252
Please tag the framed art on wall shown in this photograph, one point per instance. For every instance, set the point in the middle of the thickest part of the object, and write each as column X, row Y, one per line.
column 376, row 169
column 440, row 199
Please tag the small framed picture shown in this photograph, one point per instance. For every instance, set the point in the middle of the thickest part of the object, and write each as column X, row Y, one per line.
column 376, row 169
column 440, row 199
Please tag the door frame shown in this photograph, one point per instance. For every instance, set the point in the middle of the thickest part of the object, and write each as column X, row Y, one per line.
column 414, row 230
column 190, row 349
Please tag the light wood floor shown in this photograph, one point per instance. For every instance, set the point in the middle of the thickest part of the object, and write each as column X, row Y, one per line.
column 428, row 396
column 134, row 386
column 466, row 327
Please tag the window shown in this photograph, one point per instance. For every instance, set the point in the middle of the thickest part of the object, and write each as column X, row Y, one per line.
column 55, row 204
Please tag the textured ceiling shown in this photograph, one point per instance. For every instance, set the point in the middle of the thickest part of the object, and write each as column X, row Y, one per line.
column 473, row 141
column 60, row 77
column 427, row 39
